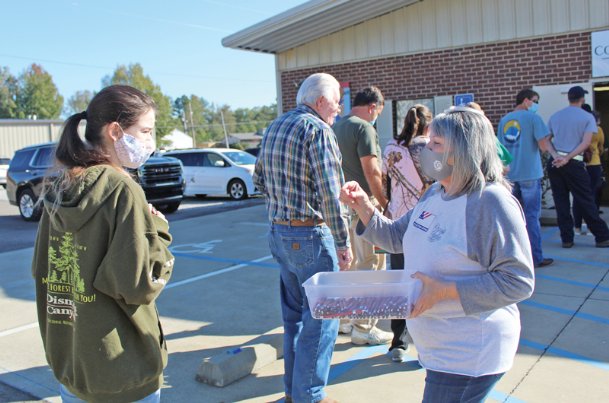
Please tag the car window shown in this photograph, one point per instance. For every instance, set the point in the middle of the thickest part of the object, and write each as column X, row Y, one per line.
column 211, row 159
column 184, row 157
column 240, row 157
column 21, row 160
column 5, row 161
column 44, row 157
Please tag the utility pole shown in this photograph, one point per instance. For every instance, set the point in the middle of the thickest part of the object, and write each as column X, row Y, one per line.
column 192, row 126
column 224, row 127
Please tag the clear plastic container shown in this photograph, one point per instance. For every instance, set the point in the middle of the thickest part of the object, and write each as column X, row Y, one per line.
column 384, row 294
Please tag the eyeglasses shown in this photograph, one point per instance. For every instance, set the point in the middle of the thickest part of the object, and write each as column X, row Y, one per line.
column 535, row 101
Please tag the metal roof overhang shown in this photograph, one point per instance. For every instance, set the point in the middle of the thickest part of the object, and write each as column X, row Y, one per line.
column 308, row 22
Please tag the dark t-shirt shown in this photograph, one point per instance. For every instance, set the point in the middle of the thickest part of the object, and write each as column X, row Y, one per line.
column 356, row 139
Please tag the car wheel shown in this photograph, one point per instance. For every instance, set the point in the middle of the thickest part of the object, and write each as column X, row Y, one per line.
column 29, row 210
column 170, row 208
column 236, row 189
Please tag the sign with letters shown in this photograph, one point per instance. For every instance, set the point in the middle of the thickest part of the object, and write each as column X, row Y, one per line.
column 600, row 54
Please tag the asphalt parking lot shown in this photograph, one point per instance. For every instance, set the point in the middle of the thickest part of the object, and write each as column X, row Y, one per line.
column 224, row 294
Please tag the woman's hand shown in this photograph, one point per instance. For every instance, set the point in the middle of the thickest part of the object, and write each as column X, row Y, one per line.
column 432, row 292
column 156, row 212
column 353, row 195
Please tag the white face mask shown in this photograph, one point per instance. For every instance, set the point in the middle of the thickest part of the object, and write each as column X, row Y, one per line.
column 131, row 152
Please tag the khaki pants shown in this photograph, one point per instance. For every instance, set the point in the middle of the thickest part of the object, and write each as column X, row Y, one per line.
column 364, row 258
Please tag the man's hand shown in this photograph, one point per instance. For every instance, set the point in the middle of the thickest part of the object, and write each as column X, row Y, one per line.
column 344, row 258
column 433, row 291
column 560, row 162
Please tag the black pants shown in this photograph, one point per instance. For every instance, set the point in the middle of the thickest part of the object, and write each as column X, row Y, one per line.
column 595, row 173
column 398, row 326
column 573, row 178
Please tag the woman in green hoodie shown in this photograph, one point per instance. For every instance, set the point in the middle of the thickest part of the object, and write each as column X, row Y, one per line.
column 101, row 256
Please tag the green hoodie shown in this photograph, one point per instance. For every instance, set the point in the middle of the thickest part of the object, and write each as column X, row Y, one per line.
column 100, row 261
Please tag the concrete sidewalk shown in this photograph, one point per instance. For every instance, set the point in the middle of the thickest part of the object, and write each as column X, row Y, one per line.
column 226, row 299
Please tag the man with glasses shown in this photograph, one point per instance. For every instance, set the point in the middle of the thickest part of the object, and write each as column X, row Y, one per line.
column 362, row 157
column 524, row 134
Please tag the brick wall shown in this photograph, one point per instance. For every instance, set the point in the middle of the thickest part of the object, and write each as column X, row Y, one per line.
column 494, row 72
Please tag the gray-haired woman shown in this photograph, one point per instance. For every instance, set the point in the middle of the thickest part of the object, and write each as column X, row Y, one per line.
column 466, row 242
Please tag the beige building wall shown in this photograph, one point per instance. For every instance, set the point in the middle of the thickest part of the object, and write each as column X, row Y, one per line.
column 442, row 24
column 16, row 134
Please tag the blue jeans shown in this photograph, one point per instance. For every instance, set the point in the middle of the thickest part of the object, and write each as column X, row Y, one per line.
column 442, row 387
column 308, row 343
column 528, row 194
column 69, row 397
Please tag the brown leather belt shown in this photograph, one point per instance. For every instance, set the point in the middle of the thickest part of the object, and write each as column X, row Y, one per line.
column 309, row 222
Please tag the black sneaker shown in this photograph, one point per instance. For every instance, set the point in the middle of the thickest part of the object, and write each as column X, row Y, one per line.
column 567, row 245
column 603, row 244
column 545, row 262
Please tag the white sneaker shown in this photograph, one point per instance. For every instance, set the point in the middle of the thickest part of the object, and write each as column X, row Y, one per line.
column 374, row 337
column 584, row 230
column 400, row 354
column 345, row 328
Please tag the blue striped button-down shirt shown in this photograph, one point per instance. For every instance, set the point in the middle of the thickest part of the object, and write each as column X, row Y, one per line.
column 299, row 170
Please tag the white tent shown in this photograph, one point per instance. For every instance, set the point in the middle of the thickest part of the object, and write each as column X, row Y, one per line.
column 178, row 140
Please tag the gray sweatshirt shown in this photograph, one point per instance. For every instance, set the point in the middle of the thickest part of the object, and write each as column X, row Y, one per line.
column 479, row 241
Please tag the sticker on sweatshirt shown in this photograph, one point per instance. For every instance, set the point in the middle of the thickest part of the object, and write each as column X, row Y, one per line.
column 424, row 221
column 65, row 288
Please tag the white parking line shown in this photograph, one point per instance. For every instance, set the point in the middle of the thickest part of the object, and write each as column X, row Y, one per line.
column 18, row 329
column 215, row 273
column 170, row 285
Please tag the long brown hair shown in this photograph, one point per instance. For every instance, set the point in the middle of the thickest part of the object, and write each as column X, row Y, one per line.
column 416, row 121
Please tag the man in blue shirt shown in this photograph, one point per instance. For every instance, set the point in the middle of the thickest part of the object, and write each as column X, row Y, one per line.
column 524, row 134
column 572, row 129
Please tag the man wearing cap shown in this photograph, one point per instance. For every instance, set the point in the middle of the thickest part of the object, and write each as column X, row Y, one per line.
column 572, row 129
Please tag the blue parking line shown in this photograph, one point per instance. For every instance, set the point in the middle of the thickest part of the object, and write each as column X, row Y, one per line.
column 344, row 367
column 571, row 282
column 549, row 233
column 568, row 312
column 564, row 353
column 584, row 262
column 226, row 260
column 502, row 397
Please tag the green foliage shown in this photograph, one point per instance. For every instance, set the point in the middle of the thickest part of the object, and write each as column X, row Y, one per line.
column 79, row 101
column 134, row 75
column 34, row 93
column 37, row 95
column 205, row 121
column 8, row 94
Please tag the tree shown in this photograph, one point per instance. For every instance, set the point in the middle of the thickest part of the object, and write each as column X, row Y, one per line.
column 79, row 101
column 37, row 95
column 134, row 76
column 8, row 94
column 192, row 112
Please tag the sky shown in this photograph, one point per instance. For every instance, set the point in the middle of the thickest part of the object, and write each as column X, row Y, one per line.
column 177, row 42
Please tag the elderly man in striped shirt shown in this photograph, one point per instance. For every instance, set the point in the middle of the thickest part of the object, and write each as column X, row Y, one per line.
column 299, row 172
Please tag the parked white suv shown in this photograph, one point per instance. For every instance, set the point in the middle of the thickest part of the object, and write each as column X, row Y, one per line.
column 4, row 162
column 217, row 171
